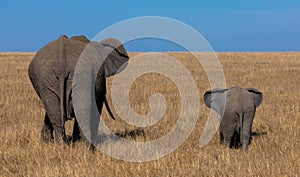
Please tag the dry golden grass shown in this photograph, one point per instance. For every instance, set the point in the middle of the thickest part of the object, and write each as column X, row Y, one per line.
column 274, row 151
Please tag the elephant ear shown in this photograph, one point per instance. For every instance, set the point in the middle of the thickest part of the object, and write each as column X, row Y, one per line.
column 216, row 99
column 257, row 96
column 116, row 56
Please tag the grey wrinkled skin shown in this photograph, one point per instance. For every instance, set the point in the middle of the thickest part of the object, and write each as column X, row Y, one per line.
column 237, row 119
column 51, row 73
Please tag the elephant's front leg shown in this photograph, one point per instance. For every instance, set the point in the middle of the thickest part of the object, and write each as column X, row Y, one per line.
column 222, row 140
column 77, row 134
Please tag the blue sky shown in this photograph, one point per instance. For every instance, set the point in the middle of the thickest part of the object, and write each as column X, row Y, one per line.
column 257, row 25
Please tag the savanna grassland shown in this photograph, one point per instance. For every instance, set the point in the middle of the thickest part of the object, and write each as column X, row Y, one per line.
column 274, row 151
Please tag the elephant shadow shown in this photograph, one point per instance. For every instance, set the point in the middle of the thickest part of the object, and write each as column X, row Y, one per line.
column 257, row 134
column 120, row 135
column 236, row 144
column 132, row 134
column 263, row 133
column 1, row 108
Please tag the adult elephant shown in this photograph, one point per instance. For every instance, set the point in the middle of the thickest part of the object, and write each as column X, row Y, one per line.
column 238, row 115
column 51, row 74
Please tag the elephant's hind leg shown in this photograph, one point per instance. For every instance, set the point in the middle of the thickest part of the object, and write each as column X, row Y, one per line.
column 235, row 140
column 52, row 107
column 47, row 130
column 228, row 134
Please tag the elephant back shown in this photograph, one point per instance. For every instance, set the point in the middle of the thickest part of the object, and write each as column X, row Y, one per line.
column 58, row 57
column 81, row 38
column 238, row 100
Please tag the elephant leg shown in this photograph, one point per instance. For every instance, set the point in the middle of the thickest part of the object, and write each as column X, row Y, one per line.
column 51, row 105
column 227, row 133
column 94, row 124
column 222, row 141
column 77, row 134
column 227, row 130
column 235, row 140
column 47, row 130
column 246, row 130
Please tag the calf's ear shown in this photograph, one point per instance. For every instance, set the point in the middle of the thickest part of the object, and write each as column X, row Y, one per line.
column 257, row 96
column 215, row 99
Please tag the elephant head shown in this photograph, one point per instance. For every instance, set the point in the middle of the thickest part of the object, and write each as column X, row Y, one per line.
column 98, row 61
column 116, row 58
column 237, row 108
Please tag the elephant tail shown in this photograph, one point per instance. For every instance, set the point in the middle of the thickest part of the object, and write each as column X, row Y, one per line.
column 62, row 87
column 108, row 108
column 62, row 82
column 241, row 128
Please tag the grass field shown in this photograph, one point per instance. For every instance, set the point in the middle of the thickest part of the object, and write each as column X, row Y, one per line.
column 274, row 151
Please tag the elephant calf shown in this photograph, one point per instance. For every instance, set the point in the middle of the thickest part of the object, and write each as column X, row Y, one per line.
column 237, row 114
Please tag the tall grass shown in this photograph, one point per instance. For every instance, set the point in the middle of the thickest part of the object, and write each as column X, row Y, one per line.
column 274, row 151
